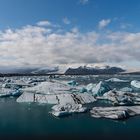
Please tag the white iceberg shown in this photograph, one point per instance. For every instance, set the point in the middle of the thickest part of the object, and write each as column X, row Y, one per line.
column 15, row 85
column 53, row 87
column 126, row 89
column 115, row 113
column 28, row 97
column 90, row 86
column 116, row 80
column 67, row 109
column 135, row 84
column 5, row 92
column 121, row 98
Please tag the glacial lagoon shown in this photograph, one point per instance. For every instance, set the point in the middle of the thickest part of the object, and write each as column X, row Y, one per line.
column 34, row 119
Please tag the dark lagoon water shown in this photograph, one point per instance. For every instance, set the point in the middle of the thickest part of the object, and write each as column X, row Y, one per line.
column 34, row 120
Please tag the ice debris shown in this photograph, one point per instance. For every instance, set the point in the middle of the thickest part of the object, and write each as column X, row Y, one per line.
column 115, row 113
column 126, row 89
column 121, row 98
column 67, row 109
column 73, row 83
column 9, row 92
column 116, row 80
column 135, row 83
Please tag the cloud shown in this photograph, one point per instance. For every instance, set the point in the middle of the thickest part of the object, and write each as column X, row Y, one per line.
column 125, row 25
column 103, row 23
column 66, row 20
column 44, row 23
column 42, row 46
column 83, row 2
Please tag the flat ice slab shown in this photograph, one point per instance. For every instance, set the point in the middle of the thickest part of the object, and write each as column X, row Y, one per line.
column 116, row 80
column 135, row 84
column 56, row 98
column 67, row 109
column 52, row 87
column 116, row 113
column 121, row 98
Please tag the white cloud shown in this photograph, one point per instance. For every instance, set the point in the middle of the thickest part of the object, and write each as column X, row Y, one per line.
column 83, row 2
column 44, row 23
column 35, row 45
column 66, row 20
column 103, row 23
column 125, row 25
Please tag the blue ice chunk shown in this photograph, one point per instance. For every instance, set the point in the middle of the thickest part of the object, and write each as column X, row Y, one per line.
column 100, row 89
column 82, row 90
column 73, row 83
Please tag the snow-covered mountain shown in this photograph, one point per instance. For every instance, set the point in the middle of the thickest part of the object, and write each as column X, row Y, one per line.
column 83, row 70
column 65, row 69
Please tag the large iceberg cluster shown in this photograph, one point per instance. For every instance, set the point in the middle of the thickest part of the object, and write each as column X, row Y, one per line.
column 68, row 97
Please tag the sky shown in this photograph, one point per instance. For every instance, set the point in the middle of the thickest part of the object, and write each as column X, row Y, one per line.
column 59, row 32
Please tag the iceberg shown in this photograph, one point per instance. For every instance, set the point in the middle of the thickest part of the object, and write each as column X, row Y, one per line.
column 67, row 109
column 73, row 83
column 83, row 90
column 53, row 87
column 89, row 87
column 9, row 92
column 15, row 85
column 121, row 98
column 115, row 113
column 100, row 89
column 63, row 98
column 126, row 89
column 135, row 84
column 116, row 80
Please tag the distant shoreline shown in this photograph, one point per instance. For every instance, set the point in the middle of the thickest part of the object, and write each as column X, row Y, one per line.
column 58, row 74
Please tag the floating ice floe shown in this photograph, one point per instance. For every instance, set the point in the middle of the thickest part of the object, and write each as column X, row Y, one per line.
column 54, row 93
column 9, row 92
column 15, row 85
column 62, row 98
column 126, row 89
column 121, row 98
column 116, row 80
column 36, row 80
column 73, row 83
column 53, row 87
column 116, row 113
column 67, row 109
column 135, row 84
